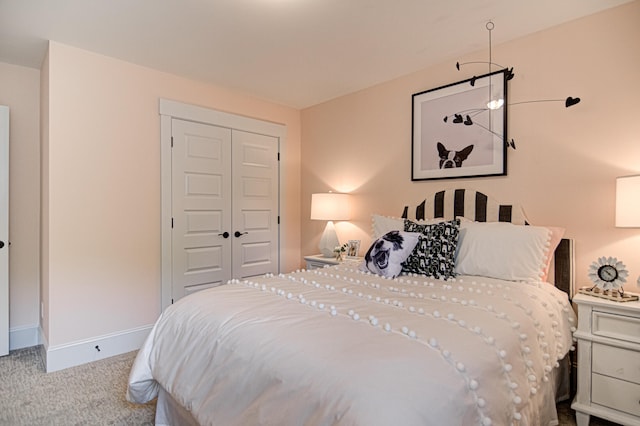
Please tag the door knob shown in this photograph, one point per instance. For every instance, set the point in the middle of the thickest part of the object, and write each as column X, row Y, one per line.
column 1, row 244
column 239, row 234
column 225, row 234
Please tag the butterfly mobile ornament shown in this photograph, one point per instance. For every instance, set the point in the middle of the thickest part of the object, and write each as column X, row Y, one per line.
column 468, row 117
column 608, row 275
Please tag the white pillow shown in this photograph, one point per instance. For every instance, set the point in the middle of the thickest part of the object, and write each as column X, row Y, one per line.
column 382, row 224
column 503, row 250
column 386, row 254
column 556, row 236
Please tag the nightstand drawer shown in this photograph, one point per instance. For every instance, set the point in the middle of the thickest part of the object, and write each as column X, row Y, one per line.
column 319, row 261
column 608, row 339
column 616, row 362
column 616, row 326
column 316, row 265
column 616, row 394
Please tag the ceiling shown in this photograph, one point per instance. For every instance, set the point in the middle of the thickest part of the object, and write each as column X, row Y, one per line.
column 293, row 52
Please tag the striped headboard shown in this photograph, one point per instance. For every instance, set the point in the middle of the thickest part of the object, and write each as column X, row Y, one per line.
column 476, row 206
column 473, row 205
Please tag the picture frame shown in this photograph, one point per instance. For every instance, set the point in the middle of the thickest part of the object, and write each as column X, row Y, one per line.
column 353, row 249
column 454, row 132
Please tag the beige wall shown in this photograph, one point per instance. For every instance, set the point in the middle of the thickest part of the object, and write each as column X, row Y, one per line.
column 102, row 261
column 100, row 183
column 19, row 89
column 563, row 171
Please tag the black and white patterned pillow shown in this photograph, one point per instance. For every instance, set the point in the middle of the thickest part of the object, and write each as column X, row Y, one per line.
column 386, row 254
column 434, row 255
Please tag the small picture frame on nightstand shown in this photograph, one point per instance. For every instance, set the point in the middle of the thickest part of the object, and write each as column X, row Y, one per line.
column 353, row 248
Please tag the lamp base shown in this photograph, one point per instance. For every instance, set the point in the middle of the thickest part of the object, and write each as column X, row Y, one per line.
column 329, row 240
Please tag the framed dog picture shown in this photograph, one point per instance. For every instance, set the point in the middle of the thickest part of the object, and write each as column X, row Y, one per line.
column 353, row 248
column 459, row 130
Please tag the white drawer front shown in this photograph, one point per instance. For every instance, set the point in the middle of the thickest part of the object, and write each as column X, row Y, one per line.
column 315, row 265
column 616, row 362
column 616, row 326
column 616, row 394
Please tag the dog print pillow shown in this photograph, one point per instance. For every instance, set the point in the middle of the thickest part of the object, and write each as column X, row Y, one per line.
column 386, row 254
column 434, row 254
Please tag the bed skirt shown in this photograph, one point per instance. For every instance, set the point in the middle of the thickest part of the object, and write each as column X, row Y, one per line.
column 170, row 413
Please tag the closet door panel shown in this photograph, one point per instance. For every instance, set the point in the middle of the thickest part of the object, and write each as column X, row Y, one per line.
column 201, row 206
column 255, row 204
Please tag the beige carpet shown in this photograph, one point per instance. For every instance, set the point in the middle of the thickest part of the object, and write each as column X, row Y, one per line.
column 90, row 394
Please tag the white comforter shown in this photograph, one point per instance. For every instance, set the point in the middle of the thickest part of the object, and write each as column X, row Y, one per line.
column 338, row 346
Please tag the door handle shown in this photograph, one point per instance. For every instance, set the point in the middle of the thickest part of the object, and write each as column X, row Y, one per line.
column 225, row 234
column 239, row 234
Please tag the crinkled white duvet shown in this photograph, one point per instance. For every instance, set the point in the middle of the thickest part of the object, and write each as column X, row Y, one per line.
column 338, row 346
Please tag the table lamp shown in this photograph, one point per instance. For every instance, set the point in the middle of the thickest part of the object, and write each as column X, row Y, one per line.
column 329, row 206
column 628, row 203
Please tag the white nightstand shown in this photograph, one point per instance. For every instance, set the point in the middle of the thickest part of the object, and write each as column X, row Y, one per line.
column 608, row 338
column 319, row 261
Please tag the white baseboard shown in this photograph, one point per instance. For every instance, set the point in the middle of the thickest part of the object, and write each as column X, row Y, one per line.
column 59, row 357
column 24, row 337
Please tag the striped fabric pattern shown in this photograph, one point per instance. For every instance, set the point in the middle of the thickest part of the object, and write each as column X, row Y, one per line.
column 473, row 205
column 476, row 206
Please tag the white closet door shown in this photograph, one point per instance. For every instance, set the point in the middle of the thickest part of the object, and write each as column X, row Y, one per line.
column 201, row 206
column 4, row 230
column 255, row 204
column 220, row 176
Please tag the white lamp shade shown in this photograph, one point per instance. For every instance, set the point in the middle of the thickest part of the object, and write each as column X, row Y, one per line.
column 628, row 202
column 330, row 206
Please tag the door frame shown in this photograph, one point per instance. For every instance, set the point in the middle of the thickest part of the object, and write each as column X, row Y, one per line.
column 169, row 110
column 4, row 230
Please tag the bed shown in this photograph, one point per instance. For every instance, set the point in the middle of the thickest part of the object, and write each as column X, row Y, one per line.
column 343, row 345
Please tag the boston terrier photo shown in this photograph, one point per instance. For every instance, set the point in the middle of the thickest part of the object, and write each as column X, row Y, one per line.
column 452, row 159
column 377, row 258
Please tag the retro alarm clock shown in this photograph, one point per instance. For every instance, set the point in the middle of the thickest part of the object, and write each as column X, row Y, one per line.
column 608, row 273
